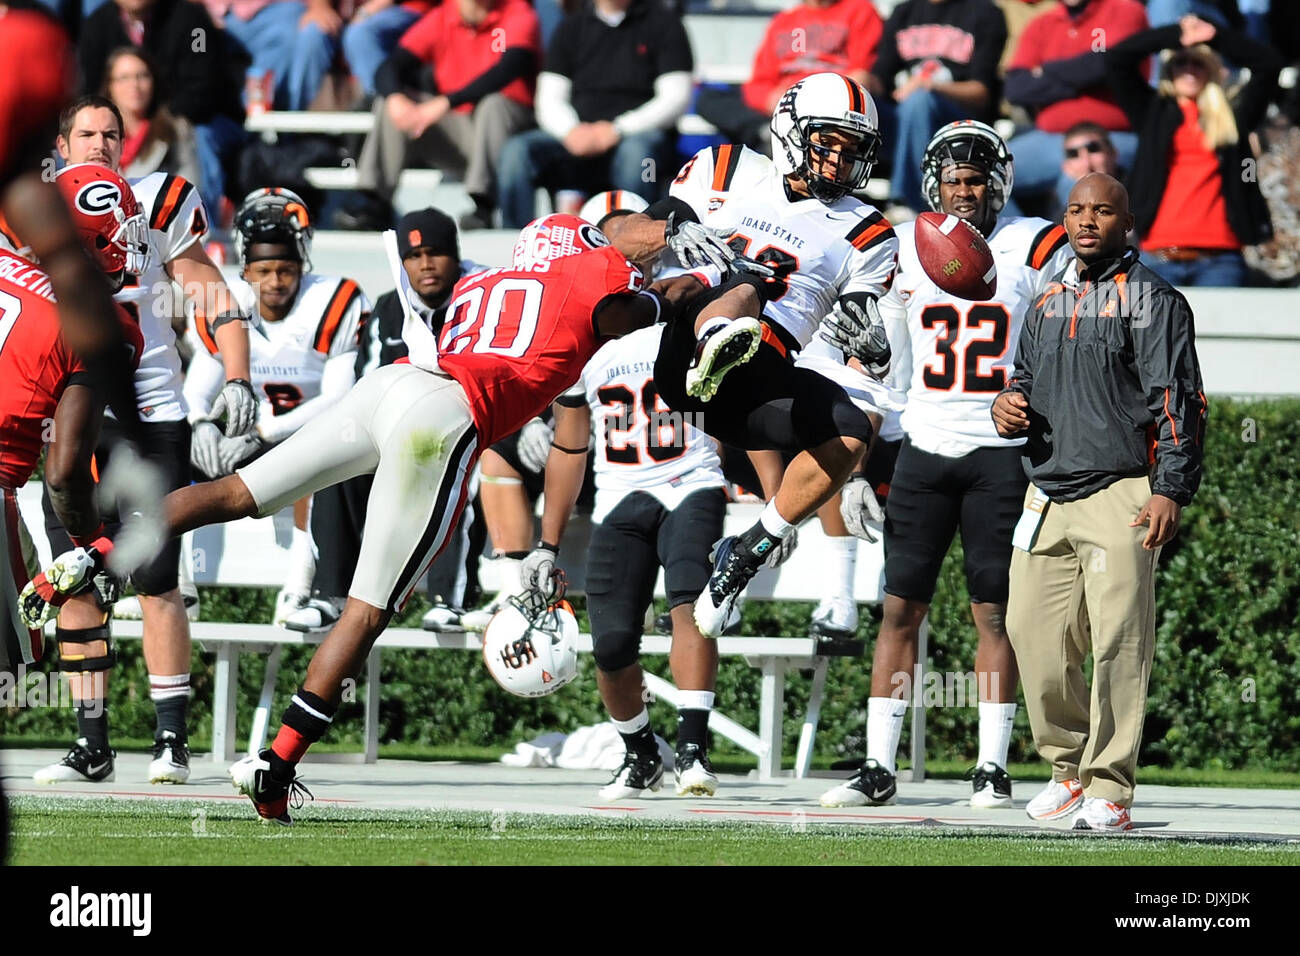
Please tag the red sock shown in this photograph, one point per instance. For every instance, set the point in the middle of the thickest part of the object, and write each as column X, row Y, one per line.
column 290, row 746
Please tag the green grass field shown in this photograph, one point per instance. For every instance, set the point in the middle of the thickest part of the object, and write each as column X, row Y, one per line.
column 61, row 832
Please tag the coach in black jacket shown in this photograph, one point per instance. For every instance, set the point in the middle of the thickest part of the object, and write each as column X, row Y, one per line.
column 1108, row 389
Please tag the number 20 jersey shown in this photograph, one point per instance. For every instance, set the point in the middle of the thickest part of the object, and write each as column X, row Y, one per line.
column 640, row 444
column 516, row 339
column 962, row 352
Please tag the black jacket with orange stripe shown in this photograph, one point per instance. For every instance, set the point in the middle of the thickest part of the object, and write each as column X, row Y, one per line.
column 1108, row 362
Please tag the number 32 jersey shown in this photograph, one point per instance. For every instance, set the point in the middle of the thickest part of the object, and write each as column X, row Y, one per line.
column 961, row 352
column 516, row 339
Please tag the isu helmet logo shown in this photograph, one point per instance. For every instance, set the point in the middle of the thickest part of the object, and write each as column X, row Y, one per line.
column 98, row 197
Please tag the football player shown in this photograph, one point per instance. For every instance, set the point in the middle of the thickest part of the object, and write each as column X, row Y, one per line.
column 660, row 502
column 828, row 253
column 953, row 470
column 49, row 396
column 90, row 131
column 302, row 344
column 514, row 339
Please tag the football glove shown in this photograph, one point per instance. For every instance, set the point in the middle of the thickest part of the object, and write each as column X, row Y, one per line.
column 233, row 452
column 239, row 406
column 696, row 246
column 860, row 509
column 537, row 572
column 205, row 449
column 133, row 487
column 535, row 445
column 70, row 574
column 781, row 553
column 855, row 327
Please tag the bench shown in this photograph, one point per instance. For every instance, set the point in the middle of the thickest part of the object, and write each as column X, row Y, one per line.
column 253, row 552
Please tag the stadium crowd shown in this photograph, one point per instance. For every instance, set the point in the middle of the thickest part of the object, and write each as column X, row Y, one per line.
column 506, row 96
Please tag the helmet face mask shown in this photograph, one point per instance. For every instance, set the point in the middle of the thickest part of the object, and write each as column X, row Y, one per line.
column 973, row 144
column 276, row 216
column 530, row 645
column 826, row 133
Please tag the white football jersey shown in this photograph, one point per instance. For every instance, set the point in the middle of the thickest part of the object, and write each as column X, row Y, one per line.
column 823, row 251
column 640, row 444
column 962, row 352
column 176, row 221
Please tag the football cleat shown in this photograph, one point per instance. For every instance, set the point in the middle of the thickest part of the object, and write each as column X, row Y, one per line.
column 732, row 570
column 718, row 351
column 1056, row 800
column 992, row 787
column 272, row 798
column 171, row 759
column 1102, row 815
column 286, row 603
column 694, row 773
column 315, row 615
column 442, row 617
column 835, row 619
column 872, row 786
column 639, row 773
column 80, row 765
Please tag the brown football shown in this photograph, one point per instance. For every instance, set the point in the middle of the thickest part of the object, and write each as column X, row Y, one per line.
column 955, row 256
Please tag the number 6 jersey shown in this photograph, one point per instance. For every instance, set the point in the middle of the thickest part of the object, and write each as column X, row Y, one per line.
column 963, row 351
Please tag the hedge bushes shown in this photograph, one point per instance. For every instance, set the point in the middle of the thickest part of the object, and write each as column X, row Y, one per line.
column 1224, row 691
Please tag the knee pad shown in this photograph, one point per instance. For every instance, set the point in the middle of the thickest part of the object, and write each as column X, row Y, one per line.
column 86, row 663
column 613, row 652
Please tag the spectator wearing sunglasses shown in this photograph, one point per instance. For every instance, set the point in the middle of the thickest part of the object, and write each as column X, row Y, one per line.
column 1196, row 202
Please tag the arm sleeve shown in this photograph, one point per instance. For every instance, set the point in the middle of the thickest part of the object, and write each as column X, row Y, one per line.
column 555, row 112
column 874, row 259
column 1164, row 349
column 666, row 107
column 400, row 71
column 344, row 338
column 1022, row 376
column 203, row 380
column 1022, row 88
column 337, row 377
column 516, row 63
column 179, row 215
column 1124, row 70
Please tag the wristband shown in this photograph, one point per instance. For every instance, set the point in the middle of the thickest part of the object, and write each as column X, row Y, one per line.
column 544, row 546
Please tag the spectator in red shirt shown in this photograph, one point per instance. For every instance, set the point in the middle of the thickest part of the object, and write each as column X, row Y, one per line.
column 1193, row 203
column 459, row 84
column 839, row 36
column 1058, row 73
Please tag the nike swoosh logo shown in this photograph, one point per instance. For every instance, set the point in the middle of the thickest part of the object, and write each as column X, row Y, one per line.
column 396, row 341
column 91, row 771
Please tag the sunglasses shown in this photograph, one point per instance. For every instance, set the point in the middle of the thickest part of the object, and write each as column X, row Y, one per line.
column 1184, row 62
column 1092, row 146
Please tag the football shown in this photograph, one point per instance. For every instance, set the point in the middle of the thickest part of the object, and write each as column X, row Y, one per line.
column 955, row 256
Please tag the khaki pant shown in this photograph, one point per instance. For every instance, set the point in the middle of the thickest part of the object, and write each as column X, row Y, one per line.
column 1087, row 581
column 464, row 145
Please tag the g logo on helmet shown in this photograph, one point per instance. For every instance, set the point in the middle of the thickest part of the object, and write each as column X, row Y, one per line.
column 98, row 197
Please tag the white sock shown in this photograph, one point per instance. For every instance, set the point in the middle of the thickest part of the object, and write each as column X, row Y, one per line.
column 302, row 563
column 694, row 700
column 884, row 729
column 845, row 566
column 638, row 723
column 710, row 325
column 773, row 523
column 167, row 686
column 996, row 721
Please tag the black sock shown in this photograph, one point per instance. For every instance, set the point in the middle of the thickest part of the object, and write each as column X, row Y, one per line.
column 92, row 723
column 171, row 715
column 304, row 722
column 757, row 543
column 641, row 742
column 692, row 728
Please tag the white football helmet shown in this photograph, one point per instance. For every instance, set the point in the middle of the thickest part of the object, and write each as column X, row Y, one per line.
column 531, row 647
column 968, row 143
column 555, row 237
column 602, row 204
column 826, row 103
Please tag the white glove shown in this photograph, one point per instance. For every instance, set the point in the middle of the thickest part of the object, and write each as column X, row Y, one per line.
column 855, row 327
column 233, row 452
column 205, row 449
column 71, row 573
column 238, row 404
column 696, row 246
column 537, row 572
column 535, row 445
column 781, row 553
column 860, row 509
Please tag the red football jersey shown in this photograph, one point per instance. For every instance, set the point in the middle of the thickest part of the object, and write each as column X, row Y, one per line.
column 516, row 339
column 32, row 94
column 35, row 365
